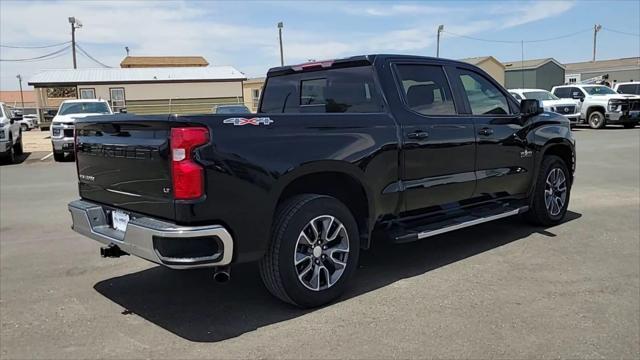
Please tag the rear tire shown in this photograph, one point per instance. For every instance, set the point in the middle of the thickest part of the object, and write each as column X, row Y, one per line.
column 596, row 120
column 550, row 198
column 58, row 156
column 313, row 251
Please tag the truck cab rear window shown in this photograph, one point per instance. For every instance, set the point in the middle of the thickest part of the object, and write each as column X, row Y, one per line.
column 346, row 90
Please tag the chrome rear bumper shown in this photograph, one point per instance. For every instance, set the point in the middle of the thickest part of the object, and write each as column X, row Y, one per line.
column 143, row 233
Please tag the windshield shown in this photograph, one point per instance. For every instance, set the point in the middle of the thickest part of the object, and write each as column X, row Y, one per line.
column 540, row 95
column 84, row 108
column 232, row 110
column 598, row 90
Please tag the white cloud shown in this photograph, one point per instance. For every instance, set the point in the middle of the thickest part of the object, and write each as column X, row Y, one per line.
column 191, row 28
column 395, row 10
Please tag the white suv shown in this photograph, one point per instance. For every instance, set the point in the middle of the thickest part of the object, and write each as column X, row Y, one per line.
column 568, row 107
column 601, row 105
column 62, row 126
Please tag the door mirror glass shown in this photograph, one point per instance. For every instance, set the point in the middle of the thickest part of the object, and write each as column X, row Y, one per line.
column 576, row 95
column 530, row 107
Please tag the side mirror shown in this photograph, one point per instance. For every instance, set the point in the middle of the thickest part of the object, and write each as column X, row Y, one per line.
column 530, row 107
column 122, row 110
column 576, row 95
column 11, row 121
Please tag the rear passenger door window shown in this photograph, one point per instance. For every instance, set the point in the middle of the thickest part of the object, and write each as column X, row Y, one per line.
column 426, row 89
column 484, row 97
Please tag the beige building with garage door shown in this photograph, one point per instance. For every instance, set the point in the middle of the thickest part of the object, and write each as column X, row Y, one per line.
column 181, row 90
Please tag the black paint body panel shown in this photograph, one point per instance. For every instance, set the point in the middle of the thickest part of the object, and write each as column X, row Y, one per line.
column 248, row 167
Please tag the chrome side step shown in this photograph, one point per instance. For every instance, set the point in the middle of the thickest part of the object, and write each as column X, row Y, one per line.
column 461, row 222
column 429, row 233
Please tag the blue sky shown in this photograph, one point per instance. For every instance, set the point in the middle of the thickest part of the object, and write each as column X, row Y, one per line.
column 244, row 34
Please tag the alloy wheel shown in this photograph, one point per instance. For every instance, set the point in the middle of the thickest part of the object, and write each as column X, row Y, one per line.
column 555, row 191
column 595, row 120
column 321, row 253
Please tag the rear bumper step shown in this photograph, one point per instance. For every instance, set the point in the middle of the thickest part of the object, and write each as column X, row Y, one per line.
column 165, row 243
column 444, row 226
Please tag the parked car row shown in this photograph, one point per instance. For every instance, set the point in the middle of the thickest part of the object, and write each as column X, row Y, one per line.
column 595, row 105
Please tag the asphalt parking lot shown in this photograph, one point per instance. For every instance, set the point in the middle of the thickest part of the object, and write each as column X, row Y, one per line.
column 499, row 290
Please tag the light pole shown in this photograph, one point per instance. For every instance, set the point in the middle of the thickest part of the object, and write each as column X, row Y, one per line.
column 75, row 24
column 440, row 29
column 596, row 28
column 19, row 77
column 280, row 26
column 126, row 48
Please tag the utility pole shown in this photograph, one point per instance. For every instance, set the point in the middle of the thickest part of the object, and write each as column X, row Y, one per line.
column 19, row 77
column 440, row 29
column 280, row 26
column 596, row 28
column 75, row 24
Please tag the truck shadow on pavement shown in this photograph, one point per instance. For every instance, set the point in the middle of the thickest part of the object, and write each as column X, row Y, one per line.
column 191, row 305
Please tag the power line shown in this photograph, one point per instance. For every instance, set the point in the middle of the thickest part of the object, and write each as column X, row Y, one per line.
column 42, row 57
column 85, row 53
column 48, row 58
column 517, row 41
column 621, row 32
column 34, row 47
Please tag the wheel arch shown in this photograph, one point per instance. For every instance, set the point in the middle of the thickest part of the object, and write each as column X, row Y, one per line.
column 593, row 108
column 562, row 148
column 340, row 180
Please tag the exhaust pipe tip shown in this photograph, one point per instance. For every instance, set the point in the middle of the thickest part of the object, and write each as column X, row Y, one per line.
column 222, row 275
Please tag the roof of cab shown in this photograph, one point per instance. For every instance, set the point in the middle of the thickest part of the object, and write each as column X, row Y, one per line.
column 353, row 61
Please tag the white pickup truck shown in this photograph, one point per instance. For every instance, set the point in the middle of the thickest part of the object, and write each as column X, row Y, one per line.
column 568, row 107
column 10, row 136
column 63, row 124
column 601, row 105
column 631, row 87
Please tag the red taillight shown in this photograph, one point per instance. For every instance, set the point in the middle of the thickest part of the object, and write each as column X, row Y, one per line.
column 187, row 175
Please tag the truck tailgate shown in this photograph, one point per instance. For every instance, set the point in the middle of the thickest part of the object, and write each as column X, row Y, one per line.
column 126, row 163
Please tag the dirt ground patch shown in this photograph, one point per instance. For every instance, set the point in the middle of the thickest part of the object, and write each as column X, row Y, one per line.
column 36, row 140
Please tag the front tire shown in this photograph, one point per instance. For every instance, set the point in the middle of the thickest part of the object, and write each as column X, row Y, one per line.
column 10, row 156
column 550, row 198
column 18, row 149
column 596, row 120
column 313, row 251
column 58, row 156
column 629, row 126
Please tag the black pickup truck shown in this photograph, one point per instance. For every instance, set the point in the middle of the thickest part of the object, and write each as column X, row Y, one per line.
column 407, row 147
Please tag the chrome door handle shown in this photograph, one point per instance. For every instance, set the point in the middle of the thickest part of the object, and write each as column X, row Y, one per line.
column 418, row 135
column 485, row 131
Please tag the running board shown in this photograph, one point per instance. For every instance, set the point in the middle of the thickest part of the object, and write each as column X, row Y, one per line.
column 461, row 222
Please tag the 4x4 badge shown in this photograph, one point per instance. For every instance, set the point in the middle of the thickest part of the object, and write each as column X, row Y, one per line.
column 238, row 121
